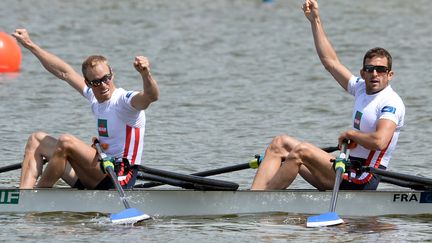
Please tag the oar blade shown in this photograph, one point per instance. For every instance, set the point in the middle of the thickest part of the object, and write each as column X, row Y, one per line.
column 128, row 216
column 327, row 219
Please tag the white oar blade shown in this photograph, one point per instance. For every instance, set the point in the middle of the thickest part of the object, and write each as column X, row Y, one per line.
column 327, row 219
column 128, row 216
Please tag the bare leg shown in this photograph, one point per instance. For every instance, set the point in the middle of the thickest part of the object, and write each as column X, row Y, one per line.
column 55, row 167
column 69, row 175
column 286, row 157
column 276, row 152
column 81, row 157
column 317, row 168
column 312, row 163
column 39, row 145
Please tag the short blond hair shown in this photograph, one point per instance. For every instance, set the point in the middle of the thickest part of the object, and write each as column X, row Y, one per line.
column 93, row 61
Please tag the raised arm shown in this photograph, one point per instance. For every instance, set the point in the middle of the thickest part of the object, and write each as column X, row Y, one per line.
column 150, row 92
column 325, row 50
column 52, row 63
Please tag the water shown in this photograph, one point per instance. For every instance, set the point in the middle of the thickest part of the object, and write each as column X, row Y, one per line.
column 232, row 75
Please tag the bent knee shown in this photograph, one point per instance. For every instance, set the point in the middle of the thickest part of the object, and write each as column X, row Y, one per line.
column 284, row 142
column 302, row 150
column 35, row 139
column 66, row 141
column 279, row 144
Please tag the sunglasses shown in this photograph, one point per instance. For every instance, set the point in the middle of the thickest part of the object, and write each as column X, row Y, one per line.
column 97, row 82
column 371, row 68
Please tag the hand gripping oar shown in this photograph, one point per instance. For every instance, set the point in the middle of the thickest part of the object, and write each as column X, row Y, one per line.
column 331, row 218
column 129, row 215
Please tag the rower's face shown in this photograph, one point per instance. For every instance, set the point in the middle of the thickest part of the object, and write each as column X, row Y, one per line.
column 376, row 78
column 100, row 79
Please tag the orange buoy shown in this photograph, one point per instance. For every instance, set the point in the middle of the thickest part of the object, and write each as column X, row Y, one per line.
column 10, row 54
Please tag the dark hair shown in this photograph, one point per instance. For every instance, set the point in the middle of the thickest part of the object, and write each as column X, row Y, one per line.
column 381, row 52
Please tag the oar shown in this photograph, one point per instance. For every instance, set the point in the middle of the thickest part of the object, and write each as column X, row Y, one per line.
column 253, row 164
column 10, row 167
column 129, row 215
column 204, row 173
column 408, row 184
column 16, row 166
column 183, row 184
column 218, row 184
column 332, row 218
column 399, row 176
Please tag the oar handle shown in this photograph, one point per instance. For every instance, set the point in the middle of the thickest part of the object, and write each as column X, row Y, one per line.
column 344, row 151
column 99, row 149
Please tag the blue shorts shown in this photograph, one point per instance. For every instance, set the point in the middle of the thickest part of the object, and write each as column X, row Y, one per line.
column 372, row 184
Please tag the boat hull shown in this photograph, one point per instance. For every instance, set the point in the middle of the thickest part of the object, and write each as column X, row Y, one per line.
column 193, row 203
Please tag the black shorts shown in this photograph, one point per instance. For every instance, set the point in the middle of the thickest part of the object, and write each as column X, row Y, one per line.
column 107, row 183
column 372, row 184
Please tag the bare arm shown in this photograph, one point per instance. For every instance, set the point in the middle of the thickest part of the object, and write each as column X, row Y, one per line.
column 377, row 140
column 150, row 92
column 325, row 50
column 52, row 63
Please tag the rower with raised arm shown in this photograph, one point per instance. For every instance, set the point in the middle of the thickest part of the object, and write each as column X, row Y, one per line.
column 377, row 118
column 120, row 122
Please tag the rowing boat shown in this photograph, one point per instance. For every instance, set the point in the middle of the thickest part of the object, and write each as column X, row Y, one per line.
column 205, row 196
column 179, row 202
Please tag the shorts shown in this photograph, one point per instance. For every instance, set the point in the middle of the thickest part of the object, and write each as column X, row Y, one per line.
column 372, row 184
column 106, row 183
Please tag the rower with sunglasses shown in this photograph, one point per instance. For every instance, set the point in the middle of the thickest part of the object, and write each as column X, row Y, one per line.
column 120, row 120
column 377, row 119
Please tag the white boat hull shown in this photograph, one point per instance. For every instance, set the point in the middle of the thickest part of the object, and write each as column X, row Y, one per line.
column 194, row 203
